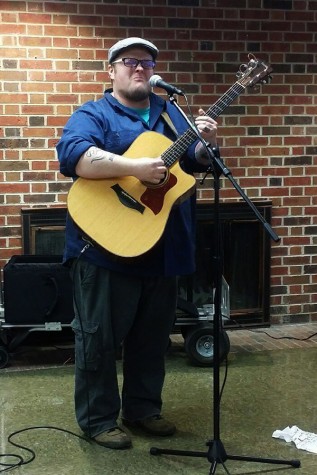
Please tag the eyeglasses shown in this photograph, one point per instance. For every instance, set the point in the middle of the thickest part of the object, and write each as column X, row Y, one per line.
column 134, row 63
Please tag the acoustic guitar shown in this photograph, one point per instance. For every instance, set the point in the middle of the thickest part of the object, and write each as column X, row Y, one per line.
column 127, row 217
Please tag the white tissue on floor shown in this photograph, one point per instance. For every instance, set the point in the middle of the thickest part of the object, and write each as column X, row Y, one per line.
column 302, row 440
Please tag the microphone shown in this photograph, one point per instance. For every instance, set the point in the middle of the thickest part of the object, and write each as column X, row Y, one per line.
column 157, row 81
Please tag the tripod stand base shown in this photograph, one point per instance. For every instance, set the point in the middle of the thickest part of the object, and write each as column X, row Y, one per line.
column 217, row 455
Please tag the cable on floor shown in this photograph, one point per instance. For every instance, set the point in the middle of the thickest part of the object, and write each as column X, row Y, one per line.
column 19, row 459
column 285, row 337
column 267, row 334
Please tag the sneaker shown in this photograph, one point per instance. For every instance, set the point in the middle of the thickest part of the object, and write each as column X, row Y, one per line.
column 155, row 425
column 114, row 438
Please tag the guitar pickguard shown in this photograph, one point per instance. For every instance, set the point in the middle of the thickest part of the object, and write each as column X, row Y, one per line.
column 153, row 198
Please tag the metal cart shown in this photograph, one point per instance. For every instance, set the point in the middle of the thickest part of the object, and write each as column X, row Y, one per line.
column 52, row 287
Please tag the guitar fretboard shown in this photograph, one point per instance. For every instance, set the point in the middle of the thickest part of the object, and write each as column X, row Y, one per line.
column 179, row 147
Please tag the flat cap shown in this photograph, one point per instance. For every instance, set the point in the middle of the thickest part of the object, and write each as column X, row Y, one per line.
column 121, row 45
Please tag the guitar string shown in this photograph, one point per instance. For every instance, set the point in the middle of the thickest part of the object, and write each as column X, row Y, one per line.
column 171, row 155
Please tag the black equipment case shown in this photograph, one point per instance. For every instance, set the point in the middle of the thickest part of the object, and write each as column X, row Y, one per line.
column 37, row 289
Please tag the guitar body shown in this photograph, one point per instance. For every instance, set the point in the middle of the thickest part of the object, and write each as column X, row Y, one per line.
column 123, row 215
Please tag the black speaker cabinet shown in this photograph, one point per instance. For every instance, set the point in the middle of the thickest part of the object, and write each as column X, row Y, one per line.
column 37, row 289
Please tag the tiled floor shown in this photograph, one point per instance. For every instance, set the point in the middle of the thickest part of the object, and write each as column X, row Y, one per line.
column 241, row 341
column 274, row 337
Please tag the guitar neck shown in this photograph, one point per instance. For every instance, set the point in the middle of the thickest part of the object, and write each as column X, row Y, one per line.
column 179, row 147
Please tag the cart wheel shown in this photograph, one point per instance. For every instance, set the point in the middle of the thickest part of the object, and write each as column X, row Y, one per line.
column 199, row 345
column 4, row 357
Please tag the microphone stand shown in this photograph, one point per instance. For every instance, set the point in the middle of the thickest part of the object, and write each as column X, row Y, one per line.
column 216, row 453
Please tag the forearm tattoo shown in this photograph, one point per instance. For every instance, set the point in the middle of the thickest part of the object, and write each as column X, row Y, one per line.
column 95, row 154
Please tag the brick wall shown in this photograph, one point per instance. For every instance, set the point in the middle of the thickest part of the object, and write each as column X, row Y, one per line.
column 52, row 58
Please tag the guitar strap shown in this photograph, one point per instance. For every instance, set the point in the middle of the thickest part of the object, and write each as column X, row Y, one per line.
column 169, row 122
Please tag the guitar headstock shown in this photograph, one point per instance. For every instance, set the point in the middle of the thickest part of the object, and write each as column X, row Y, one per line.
column 254, row 72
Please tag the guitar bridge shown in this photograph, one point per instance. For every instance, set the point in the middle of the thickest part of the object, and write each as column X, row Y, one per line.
column 127, row 200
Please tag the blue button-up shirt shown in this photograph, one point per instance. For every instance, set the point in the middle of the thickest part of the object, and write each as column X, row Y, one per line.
column 111, row 126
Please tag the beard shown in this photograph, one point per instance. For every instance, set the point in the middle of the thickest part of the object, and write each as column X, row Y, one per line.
column 138, row 95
